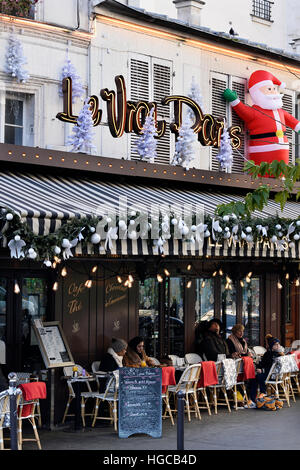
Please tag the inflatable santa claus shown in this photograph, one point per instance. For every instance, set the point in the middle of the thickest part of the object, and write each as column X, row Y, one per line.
column 266, row 120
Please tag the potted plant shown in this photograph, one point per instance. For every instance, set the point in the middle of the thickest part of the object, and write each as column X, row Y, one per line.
column 17, row 7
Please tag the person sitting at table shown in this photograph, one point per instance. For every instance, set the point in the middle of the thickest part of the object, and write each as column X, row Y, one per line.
column 237, row 345
column 213, row 344
column 113, row 359
column 263, row 367
column 135, row 355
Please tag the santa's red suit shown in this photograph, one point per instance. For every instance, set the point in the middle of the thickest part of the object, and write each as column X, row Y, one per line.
column 267, row 127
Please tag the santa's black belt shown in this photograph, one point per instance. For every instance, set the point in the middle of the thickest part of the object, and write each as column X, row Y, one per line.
column 267, row 134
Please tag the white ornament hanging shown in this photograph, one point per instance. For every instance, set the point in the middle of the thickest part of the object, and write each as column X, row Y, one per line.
column 15, row 60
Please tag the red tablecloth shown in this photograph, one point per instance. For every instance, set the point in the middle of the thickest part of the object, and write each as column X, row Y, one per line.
column 32, row 391
column 297, row 357
column 168, row 377
column 249, row 369
column 208, row 374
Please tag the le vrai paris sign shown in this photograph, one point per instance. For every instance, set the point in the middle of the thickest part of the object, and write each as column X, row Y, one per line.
column 129, row 116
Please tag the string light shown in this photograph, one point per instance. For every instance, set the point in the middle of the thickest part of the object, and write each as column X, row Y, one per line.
column 88, row 283
column 126, row 283
column 119, row 279
column 159, row 278
column 220, row 272
column 95, row 268
column 249, row 274
column 242, row 284
column 189, row 267
column 64, row 272
column 248, row 279
column 166, row 272
column 17, row 288
column 279, row 285
column 203, row 284
column 55, row 286
column 287, row 276
column 297, row 282
column 130, row 278
column 215, row 273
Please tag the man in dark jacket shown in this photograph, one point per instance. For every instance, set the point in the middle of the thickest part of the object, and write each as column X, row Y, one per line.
column 213, row 343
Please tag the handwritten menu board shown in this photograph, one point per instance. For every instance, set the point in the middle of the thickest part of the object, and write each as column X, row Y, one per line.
column 140, row 402
column 53, row 345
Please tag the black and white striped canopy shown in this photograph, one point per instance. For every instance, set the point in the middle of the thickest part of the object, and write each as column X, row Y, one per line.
column 46, row 202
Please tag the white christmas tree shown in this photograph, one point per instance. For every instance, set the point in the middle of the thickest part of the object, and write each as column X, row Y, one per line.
column 15, row 60
column 184, row 148
column 195, row 95
column 69, row 70
column 147, row 143
column 82, row 138
column 225, row 153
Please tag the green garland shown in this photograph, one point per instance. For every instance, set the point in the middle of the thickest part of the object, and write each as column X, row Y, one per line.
column 45, row 248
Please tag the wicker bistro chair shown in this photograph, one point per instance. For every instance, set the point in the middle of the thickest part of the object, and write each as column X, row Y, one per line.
column 222, row 387
column 294, row 376
column 68, row 371
column 188, row 384
column 278, row 377
column 5, row 414
column 239, row 382
column 24, row 378
column 166, row 402
column 111, row 395
column 192, row 358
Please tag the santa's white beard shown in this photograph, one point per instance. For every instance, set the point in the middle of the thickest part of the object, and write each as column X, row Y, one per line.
column 266, row 101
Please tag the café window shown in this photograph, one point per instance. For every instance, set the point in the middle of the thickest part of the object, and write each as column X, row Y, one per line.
column 204, row 304
column 149, row 315
column 18, row 119
column 228, row 305
column 151, row 80
column 262, row 9
column 251, row 310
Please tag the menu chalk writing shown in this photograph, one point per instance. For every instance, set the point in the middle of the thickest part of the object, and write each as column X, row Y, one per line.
column 140, row 401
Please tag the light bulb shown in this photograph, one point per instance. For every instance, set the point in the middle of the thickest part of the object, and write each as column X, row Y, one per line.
column 249, row 274
column 88, row 283
column 119, row 279
column 287, row 276
column 189, row 284
column 248, row 279
column 279, row 285
column 159, row 278
column 203, row 284
column 55, row 286
column 215, row 273
column 220, row 272
column 166, row 272
column 130, row 278
column 16, row 288
column 95, row 268
column 64, row 272
column 242, row 284
column 297, row 282
column 189, row 267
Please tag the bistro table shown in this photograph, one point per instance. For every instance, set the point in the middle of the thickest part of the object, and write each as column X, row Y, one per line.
column 76, row 382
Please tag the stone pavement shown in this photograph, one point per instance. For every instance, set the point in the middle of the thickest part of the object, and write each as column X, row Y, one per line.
column 239, row 430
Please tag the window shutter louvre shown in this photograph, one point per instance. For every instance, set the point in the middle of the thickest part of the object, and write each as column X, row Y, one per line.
column 139, row 91
column 239, row 86
column 161, row 89
column 218, row 109
column 288, row 105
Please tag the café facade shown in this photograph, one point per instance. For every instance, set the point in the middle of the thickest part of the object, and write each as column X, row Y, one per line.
column 112, row 246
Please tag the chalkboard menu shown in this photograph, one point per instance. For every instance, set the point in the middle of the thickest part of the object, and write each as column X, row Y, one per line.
column 53, row 344
column 140, row 402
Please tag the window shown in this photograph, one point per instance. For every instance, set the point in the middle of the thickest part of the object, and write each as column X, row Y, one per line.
column 150, row 80
column 219, row 108
column 17, row 116
column 262, row 9
column 205, row 300
column 288, row 101
column 251, row 311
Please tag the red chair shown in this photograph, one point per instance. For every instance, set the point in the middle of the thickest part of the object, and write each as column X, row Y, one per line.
column 31, row 394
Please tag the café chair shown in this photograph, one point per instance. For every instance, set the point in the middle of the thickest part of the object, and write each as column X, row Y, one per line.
column 68, row 372
column 166, row 401
column 31, row 393
column 277, row 379
column 111, row 395
column 4, row 415
column 220, row 387
column 192, row 358
column 24, row 378
column 155, row 361
column 188, row 383
column 95, row 366
column 239, row 381
column 174, row 359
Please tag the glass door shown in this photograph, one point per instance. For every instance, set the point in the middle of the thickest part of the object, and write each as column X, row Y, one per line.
column 174, row 317
column 149, row 316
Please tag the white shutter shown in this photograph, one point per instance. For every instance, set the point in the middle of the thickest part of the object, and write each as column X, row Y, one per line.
column 161, row 88
column 289, row 106
column 139, row 91
column 239, row 86
column 219, row 108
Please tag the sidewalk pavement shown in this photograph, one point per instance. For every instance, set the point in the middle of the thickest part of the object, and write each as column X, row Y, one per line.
column 245, row 429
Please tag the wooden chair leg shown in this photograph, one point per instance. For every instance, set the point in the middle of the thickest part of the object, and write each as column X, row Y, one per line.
column 1, row 438
column 95, row 412
column 115, row 414
column 226, row 399
column 187, row 401
column 235, row 398
column 67, row 408
column 38, row 407
column 83, row 411
column 37, row 438
column 206, row 401
column 20, row 438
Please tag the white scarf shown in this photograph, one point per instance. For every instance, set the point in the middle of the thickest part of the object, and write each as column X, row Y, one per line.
column 118, row 359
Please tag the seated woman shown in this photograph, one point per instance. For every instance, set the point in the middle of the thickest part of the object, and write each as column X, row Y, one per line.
column 263, row 368
column 135, row 355
column 237, row 345
column 213, row 344
column 113, row 359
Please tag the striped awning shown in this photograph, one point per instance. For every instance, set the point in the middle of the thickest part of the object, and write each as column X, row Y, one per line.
column 46, row 202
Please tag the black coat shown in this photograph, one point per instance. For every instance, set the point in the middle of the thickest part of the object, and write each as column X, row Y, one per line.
column 267, row 361
column 231, row 346
column 108, row 364
column 212, row 345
